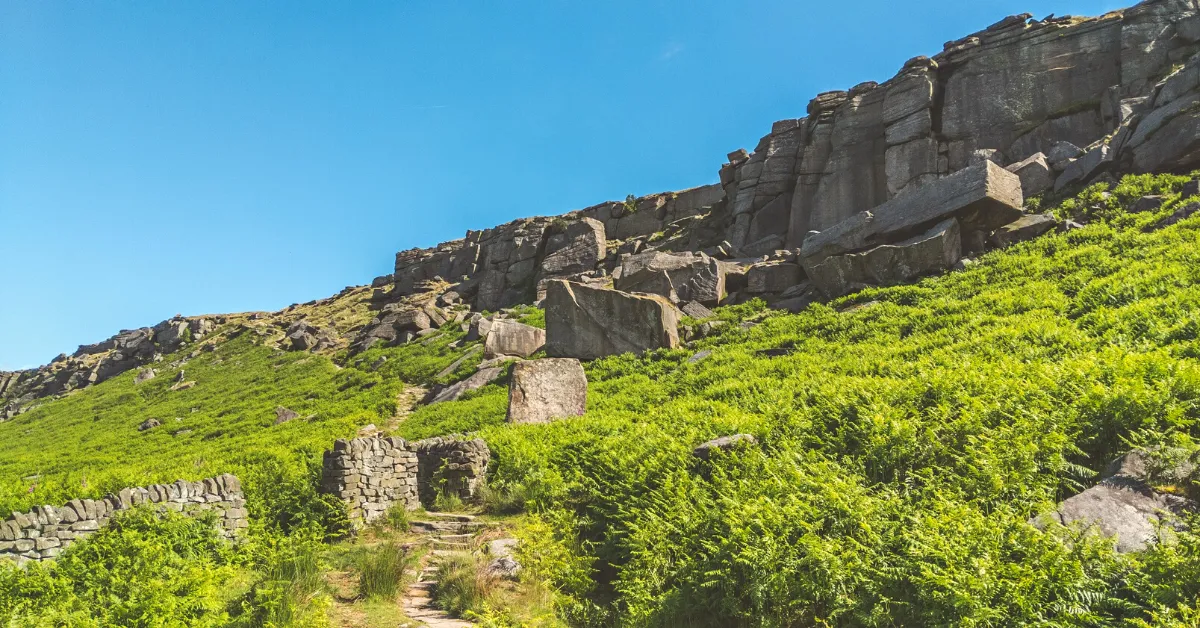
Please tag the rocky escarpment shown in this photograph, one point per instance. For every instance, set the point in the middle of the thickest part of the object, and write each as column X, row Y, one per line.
column 1035, row 105
column 95, row 363
column 1037, row 96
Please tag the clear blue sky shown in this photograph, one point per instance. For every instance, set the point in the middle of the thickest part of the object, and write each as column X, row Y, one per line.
column 200, row 157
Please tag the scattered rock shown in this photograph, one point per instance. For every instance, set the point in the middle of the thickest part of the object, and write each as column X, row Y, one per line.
column 696, row 310
column 144, row 375
column 149, row 424
column 283, row 415
column 987, row 194
column 772, row 277
column 705, row 451
column 678, row 276
column 546, row 389
column 1035, row 174
column 503, row 562
column 700, row 355
column 1183, row 213
column 1148, row 204
column 477, row 380
column 1026, row 228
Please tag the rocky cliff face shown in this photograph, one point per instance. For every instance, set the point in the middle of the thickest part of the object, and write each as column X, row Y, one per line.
column 1020, row 87
column 1059, row 101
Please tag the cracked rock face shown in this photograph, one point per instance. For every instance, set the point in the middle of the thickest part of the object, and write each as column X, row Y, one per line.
column 588, row 323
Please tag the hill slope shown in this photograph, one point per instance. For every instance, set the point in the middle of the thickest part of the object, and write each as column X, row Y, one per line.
column 907, row 435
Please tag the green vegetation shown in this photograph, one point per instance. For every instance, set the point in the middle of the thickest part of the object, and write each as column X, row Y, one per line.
column 906, row 438
column 382, row 572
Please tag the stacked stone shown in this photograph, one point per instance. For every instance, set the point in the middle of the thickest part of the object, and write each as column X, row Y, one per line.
column 371, row 475
column 453, row 466
column 44, row 532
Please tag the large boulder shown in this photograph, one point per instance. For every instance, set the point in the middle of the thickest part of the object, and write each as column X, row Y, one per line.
column 772, row 277
column 985, row 196
column 935, row 250
column 546, row 389
column 588, row 323
column 512, row 338
column 574, row 247
column 682, row 276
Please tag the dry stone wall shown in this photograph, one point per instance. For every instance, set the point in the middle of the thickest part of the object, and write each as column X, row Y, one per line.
column 451, row 465
column 44, row 532
column 373, row 474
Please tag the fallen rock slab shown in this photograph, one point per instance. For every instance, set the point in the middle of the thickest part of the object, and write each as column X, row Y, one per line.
column 935, row 250
column 1035, row 174
column 1024, row 228
column 984, row 195
column 588, row 323
column 452, row 392
column 512, row 338
column 546, row 389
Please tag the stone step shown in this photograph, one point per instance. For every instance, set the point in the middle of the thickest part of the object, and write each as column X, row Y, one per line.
column 450, row 516
column 459, row 545
column 445, row 526
column 454, row 538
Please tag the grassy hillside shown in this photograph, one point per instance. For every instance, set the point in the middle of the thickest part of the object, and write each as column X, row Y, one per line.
column 907, row 435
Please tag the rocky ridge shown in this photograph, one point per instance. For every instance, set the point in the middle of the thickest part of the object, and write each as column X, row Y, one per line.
column 882, row 183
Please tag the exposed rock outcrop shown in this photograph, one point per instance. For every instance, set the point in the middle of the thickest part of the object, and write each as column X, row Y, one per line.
column 588, row 323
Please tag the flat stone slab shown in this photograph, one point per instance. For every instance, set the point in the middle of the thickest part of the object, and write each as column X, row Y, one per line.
column 985, row 196
column 935, row 250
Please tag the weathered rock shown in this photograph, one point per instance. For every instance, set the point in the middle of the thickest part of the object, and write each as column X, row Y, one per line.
column 575, row 247
column 509, row 337
column 546, row 389
column 301, row 336
column 144, row 375
column 695, row 310
column 1085, row 168
column 588, row 323
column 772, row 277
column 985, row 195
column 1183, row 213
column 149, row 424
column 1147, row 204
column 1060, row 155
column 502, row 562
column 477, row 380
column 935, row 250
column 479, row 327
column 704, row 451
column 687, row 276
column 1024, row 228
column 283, row 415
column 1035, row 174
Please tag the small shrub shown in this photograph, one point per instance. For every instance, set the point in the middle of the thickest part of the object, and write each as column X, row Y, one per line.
column 382, row 571
column 463, row 585
column 447, row 501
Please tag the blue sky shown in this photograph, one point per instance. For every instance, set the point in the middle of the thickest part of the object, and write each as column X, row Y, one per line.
column 200, row 157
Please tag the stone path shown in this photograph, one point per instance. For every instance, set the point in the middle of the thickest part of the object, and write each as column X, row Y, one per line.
column 449, row 533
